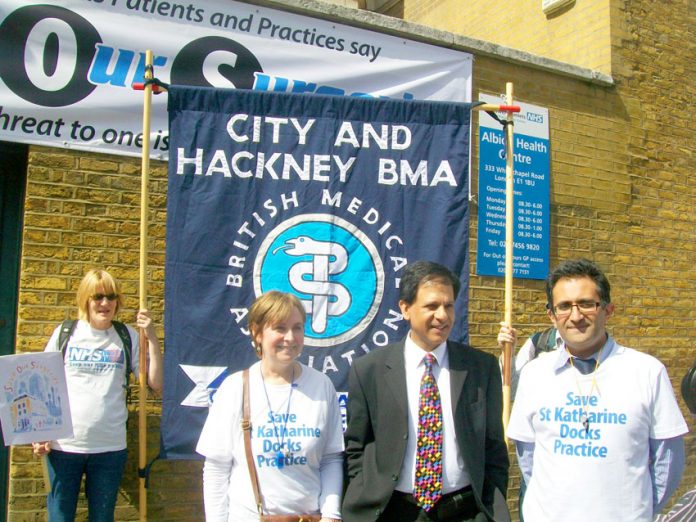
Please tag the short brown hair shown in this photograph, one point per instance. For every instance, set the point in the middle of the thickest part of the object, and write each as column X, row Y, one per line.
column 271, row 308
column 576, row 269
column 93, row 280
column 418, row 273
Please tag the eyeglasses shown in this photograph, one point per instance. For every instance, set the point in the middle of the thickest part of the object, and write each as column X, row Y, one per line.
column 99, row 297
column 584, row 307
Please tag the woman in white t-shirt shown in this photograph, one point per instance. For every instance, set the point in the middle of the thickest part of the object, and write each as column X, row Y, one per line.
column 96, row 374
column 296, row 431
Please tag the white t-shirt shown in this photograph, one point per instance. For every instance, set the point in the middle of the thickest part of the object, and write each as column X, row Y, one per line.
column 602, row 472
column 95, row 373
column 526, row 353
column 313, row 429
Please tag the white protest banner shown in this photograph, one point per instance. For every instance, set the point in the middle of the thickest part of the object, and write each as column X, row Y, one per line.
column 34, row 404
column 67, row 66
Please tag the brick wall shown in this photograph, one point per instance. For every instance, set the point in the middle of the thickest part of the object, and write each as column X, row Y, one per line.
column 622, row 187
column 83, row 210
column 579, row 35
column 622, row 193
column 654, row 63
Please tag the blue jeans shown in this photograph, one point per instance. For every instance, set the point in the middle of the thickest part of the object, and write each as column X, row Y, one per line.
column 103, row 473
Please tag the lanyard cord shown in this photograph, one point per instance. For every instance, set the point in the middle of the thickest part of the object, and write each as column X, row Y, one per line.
column 280, row 456
column 585, row 415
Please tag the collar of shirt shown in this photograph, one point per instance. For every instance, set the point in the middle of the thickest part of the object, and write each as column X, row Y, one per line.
column 563, row 354
column 413, row 355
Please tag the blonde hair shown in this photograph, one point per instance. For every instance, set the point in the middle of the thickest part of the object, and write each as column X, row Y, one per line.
column 271, row 308
column 93, row 280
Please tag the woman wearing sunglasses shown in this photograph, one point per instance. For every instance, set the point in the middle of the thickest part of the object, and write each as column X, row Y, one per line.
column 96, row 359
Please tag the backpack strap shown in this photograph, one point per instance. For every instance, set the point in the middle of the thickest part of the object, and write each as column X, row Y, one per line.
column 544, row 341
column 551, row 344
column 124, row 334
column 67, row 328
column 535, row 343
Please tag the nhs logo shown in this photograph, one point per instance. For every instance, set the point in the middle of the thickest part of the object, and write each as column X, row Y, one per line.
column 534, row 117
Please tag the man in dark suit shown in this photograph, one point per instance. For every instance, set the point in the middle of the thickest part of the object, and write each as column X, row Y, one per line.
column 390, row 403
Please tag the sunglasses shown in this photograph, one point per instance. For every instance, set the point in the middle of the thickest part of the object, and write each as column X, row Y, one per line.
column 99, row 297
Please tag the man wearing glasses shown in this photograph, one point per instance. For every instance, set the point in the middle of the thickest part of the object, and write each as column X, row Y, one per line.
column 597, row 428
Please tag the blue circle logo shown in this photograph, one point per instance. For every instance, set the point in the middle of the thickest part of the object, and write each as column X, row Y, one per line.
column 331, row 266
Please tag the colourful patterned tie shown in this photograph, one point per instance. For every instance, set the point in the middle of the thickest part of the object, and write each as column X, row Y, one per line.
column 427, row 485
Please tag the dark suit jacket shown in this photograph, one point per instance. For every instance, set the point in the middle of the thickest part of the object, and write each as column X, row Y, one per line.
column 378, row 419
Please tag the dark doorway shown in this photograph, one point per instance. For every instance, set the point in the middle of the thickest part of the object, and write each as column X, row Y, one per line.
column 13, row 177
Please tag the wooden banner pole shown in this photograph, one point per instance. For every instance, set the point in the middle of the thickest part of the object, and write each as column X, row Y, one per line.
column 510, row 109
column 144, row 208
column 509, row 243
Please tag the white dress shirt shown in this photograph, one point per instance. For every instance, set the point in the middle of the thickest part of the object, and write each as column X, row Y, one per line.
column 454, row 474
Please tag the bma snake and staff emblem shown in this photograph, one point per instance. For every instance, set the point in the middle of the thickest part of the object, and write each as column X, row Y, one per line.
column 334, row 269
column 312, row 277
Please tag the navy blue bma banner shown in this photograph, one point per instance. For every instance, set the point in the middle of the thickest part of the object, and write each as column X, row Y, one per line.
column 326, row 197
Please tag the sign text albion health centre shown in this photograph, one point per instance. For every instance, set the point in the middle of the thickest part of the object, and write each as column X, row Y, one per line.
column 531, row 194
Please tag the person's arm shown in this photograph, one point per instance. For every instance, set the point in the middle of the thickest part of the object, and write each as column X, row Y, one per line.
column 525, row 459
column 667, row 460
column 216, row 480
column 331, row 465
column 217, row 444
column 331, row 481
column 497, row 464
column 359, row 431
column 155, row 378
column 507, row 334
column 683, row 509
column 44, row 447
column 41, row 448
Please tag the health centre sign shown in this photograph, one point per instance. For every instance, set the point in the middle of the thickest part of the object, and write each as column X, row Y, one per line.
column 532, row 214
